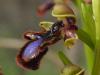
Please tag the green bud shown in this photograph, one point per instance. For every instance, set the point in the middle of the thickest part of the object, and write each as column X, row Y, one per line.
column 62, row 11
column 59, row 1
column 72, row 70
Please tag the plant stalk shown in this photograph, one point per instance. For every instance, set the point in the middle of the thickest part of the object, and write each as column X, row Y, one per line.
column 96, row 11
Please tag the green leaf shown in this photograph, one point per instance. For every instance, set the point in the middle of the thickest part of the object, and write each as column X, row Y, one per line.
column 88, row 21
column 83, row 36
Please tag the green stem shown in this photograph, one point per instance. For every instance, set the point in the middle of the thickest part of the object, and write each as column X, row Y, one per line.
column 89, row 57
column 63, row 58
column 96, row 11
column 96, row 68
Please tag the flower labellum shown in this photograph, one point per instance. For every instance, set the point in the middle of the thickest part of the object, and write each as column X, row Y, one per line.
column 31, row 50
column 72, row 69
column 30, row 55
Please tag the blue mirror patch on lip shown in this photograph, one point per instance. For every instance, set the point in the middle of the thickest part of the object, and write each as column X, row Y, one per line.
column 30, row 51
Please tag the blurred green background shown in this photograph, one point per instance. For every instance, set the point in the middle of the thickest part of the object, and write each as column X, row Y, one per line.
column 17, row 17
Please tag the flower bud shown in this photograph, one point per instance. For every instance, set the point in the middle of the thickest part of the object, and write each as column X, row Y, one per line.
column 62, row 11
column 72, row 70
column 59, row 1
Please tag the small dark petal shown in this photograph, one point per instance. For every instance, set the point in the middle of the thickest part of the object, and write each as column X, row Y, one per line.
column 71, row 20
column 32, row 35
column 28, row 35
column 72, row 27
column 69, row 34
column 44, row 8
column 32, row 64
